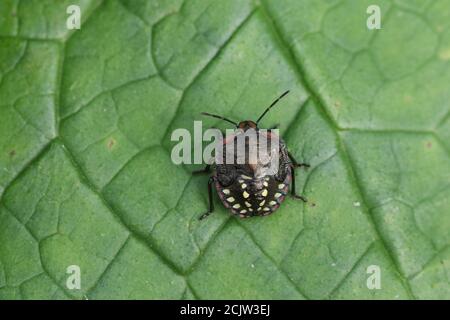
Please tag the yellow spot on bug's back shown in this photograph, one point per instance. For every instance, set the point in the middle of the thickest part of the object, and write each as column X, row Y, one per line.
column 237, row 206
column 281, row 186
column 226, row 191
column 250, row 209
column 272, row 203
column 243, row 211
column 259, row 209
column 246, row 177
column 277, row 195
column 241, row 181
column 245, row 194
column 243, row 186
column 262, row 203
column 266, row 209
column 230, row 199
column 264, row 193
column 248, row 204
column 265, row 184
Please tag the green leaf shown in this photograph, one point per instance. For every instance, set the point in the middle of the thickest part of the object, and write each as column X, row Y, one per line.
column 85, row 171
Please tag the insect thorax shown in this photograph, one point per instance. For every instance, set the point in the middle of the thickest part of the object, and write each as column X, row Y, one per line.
column 255, row 158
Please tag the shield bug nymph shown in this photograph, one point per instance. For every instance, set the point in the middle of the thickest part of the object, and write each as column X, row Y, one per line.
column 248, row 188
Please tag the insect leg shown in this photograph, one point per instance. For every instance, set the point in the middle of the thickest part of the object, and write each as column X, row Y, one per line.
column 210, row 197
column 293, row 193
column 295, row 163
column 204, row 170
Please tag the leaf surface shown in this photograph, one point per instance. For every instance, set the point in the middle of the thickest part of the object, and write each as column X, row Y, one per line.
column 86, row 176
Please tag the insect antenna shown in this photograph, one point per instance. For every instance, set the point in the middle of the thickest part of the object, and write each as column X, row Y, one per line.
column 273, row 103
column 219, row 117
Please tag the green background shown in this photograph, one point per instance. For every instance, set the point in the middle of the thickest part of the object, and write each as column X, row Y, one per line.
column 86, row 176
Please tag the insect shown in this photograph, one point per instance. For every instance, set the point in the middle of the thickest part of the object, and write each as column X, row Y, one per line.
column 249, row 189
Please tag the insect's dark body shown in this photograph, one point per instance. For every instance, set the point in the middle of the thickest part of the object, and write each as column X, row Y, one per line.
column 245, row 189
column 246, row 194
